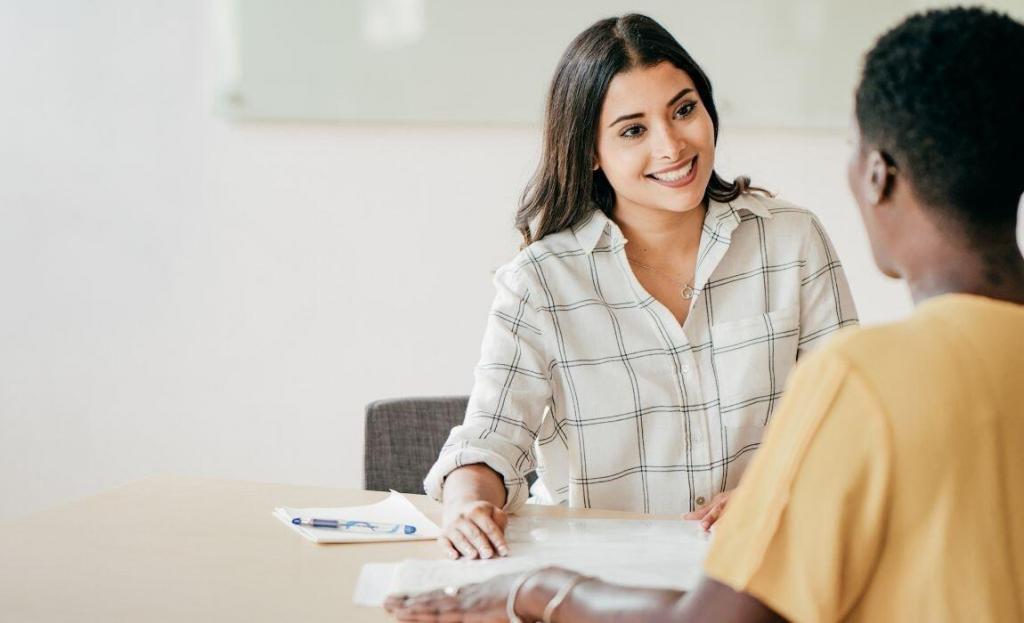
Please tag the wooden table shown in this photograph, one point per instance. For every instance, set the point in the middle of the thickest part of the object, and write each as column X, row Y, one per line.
column 195, row 549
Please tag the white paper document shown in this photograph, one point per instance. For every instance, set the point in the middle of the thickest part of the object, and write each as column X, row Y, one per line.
column 395, row 509
column 655, row 553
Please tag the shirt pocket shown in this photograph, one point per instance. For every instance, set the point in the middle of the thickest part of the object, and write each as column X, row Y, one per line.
column 753, row 357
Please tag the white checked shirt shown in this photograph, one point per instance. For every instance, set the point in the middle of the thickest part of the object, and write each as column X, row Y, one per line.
column 587, row 378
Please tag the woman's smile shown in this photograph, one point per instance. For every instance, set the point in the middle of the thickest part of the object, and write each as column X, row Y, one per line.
column 677, row 175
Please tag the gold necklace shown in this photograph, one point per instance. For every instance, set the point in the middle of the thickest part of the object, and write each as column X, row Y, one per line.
column 686, row 290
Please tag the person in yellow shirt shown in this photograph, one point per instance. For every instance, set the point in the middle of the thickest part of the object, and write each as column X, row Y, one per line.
column 890, row 486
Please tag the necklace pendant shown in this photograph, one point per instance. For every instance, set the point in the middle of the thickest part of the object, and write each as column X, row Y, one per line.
column 688, row 293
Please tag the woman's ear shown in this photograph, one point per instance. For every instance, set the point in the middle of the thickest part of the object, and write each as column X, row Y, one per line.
column 597, row 163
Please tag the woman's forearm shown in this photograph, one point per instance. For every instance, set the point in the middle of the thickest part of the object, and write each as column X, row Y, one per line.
column 471, row 483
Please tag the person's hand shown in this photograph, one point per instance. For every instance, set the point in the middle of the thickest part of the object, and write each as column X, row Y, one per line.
column 475, row 603
column 710, row 512
column 474, row 529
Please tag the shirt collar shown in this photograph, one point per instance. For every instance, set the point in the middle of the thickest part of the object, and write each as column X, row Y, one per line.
column 755, row 203
column 588, row 233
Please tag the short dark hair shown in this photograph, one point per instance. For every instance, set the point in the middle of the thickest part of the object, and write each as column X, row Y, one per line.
column 565, row 188
column 942, row 94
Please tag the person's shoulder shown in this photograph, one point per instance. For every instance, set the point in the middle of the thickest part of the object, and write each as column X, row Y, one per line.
column 864, row 346
column 775, row 215
column 551, row 246
column 565, row 243
column 547, row 251
column 890, row 357
column 763, row 206
column 938, row 370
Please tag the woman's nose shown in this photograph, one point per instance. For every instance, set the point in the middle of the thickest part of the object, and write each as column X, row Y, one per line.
column 668, row 143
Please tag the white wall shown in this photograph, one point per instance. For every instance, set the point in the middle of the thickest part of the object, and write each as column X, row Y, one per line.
column 180, row 294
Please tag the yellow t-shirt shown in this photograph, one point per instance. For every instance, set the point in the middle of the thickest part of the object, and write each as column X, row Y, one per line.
column 890, row 485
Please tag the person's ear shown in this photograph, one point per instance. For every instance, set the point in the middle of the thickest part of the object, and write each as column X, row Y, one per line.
column 879, row 177
column 597, row 163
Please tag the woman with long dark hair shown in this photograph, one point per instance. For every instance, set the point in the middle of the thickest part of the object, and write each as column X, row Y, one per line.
column 640, row 342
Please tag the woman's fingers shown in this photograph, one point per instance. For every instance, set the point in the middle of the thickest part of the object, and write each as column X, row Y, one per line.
column 711, row 511
column 430, row 602
column 718, row 507
column 492, row 524
column 477, row 537
column 449, row 549
column 699, row 513
column 415, row 616
column 461, row 543
column 418, row 614
column 472, row 602
column 451, row 615
column 412, row 608
column 433, row 607
column 394, row 602
column 712, row 516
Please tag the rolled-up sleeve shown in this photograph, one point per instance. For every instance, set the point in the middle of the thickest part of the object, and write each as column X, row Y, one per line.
column 511, row 392
column 826, row 304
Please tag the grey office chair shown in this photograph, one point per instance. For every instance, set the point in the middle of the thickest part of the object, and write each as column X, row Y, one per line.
column 404, row 437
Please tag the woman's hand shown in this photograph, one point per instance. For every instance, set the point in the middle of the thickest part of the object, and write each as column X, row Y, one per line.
column 475, row 603
column 712, row 511
column 474, row 529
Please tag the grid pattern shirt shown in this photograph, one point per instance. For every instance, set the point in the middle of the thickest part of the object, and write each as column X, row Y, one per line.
column 588, row 379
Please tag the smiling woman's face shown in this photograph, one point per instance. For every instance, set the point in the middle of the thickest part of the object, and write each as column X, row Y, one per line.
column 656, row 142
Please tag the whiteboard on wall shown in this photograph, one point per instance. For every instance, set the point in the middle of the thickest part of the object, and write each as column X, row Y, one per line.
column 783, row 63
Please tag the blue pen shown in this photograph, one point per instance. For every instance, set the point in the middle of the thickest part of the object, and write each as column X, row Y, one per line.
column 354, row 525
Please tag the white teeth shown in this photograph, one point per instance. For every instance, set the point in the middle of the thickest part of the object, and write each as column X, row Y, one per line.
column 672, row 176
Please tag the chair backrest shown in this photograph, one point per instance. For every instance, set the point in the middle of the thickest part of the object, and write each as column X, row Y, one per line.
column 404, row 437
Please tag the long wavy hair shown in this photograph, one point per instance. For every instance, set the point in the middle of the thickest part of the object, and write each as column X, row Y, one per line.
column 565, row 187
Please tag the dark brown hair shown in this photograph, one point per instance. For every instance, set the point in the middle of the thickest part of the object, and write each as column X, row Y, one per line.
column 961, row 153
column 565, row 187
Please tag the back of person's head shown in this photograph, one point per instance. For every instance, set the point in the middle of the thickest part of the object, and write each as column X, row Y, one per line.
column 942, row 96
column 566, row 187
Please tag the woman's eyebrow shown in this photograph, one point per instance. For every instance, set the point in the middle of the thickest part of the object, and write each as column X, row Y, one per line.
column 679, row 95
column 637, row 115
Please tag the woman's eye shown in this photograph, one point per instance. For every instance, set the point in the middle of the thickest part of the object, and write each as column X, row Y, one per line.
column 685, row 109
column 632, row 131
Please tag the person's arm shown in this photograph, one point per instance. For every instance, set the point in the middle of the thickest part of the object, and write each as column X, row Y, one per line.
column 594, row 601
column 474, row 522
column 480, row 474
column 591, row 601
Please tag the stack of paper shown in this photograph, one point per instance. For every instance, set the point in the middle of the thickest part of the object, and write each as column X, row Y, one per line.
column 395, row 509
column 656, row 553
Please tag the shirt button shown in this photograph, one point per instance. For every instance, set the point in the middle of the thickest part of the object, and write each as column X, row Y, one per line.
column 686, row 368
column 700, row 501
